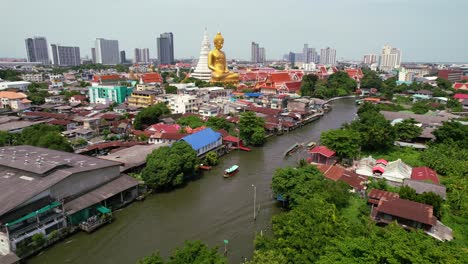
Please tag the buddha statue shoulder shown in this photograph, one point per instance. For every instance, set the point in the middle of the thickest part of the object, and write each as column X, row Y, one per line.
column 217, row 63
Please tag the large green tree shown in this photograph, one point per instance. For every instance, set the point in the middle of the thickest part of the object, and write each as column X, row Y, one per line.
column 391, row 244
column 341, row 83
column 301, row 235
column 192, row 121
column 346, row 142
column 251, row 129
column 376, row 132
column 197, row 253
column 308, row 84
column 297, row 185
column 169, row 167
column 193, row 252
column 218, row 123
column 150, row 115
column 452, row 131
column 45, row 136
column 443, row 84
column 370, row 79
column 407, row 130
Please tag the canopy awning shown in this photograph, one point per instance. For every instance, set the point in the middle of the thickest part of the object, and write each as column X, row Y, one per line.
column 104, row 210
column 35, row 213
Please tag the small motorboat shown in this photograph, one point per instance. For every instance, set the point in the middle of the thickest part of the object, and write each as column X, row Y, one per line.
column 233, row 170
column 311, row 145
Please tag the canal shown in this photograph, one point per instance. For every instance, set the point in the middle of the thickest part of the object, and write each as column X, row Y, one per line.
column 210, row 209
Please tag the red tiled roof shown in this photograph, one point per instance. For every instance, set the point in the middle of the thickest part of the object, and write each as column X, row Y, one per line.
column 231, row 139
column 59, row 122
column 354, row 180
column 152, row 77
column 110, row 116
column 79, row 97
column 223, row 133
column 424, row 174
column 331, row 172
column 460, row 96
column 164, row 128
column 173, row 136
column 324, row 151
column 140, row 132
column 265, row 110
column 293, row 86
column 407, row 209
column 47, row 115
column 110, row 77
column 375, row 195
column 381, row 161
column 279, row 77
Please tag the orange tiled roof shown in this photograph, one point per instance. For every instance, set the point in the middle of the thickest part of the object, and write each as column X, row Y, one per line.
column 12, row 95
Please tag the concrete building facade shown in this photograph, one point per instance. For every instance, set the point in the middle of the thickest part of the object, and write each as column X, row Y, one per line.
column 165, row 45
column 328, row 56
column 65, row 56
column 107, row 51
column 37, row 50
column 390, row 58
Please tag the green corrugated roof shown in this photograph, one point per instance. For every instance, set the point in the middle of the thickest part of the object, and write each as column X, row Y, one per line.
column 33, row 214
column 104, row 210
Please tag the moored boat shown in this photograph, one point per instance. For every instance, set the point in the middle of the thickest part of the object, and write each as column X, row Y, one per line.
column 292, row 149
column 233, row 170
column 311, row 145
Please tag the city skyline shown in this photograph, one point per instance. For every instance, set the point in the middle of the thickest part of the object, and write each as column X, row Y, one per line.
column 345, row 30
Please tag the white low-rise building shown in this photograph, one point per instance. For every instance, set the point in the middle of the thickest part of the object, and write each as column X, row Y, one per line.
column 183, row 103
column 33, row 77
column 22, row 85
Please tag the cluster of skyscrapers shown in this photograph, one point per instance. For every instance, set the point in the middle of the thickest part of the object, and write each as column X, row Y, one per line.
column 141, row 55
column 257, row 53
column 309, row 55
column 105, row 51
column 389, row 59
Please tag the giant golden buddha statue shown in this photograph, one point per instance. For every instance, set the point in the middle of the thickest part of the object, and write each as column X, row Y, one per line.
column 217, row 63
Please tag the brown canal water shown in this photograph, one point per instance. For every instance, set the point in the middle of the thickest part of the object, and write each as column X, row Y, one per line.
column 210, row 209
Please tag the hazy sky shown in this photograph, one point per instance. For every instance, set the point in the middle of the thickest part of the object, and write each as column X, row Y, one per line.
column 425, row 30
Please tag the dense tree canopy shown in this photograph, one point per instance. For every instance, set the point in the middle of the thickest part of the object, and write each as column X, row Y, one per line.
column 407, row 130
column 45, row 136
column 218, row 123
column 10, row 75
column 370, row 79
column 197, row 253
column 150, row 115
column 308, row 84
column 251, row 129
column 191, row 121
column 390, row 244
column 171, row 89
column 376, row 132
column 452, row 131
column 193, row 252
column 299, row 184
column 169, row 167
column 346, row 142
column 341, row 83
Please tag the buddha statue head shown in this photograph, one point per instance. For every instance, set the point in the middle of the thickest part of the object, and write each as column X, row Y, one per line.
column 218, row 41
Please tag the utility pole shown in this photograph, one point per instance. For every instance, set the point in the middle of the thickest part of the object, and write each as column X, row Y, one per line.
column 255, row 202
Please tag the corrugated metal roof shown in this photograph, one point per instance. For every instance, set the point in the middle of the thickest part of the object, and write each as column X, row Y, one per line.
column 202, row 138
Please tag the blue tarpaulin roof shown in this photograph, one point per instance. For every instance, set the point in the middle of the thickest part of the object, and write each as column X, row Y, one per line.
column 253, row 94
column 202, row 138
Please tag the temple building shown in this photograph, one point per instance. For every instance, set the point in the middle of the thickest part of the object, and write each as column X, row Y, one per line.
column 202, row 71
